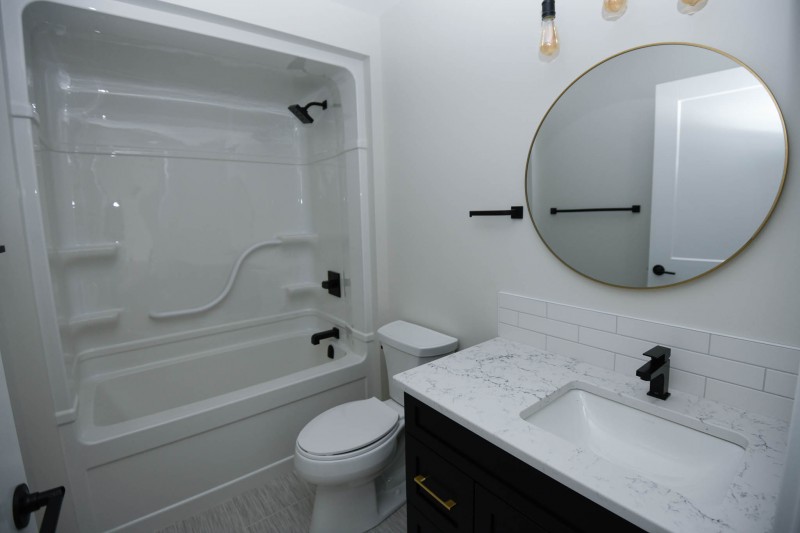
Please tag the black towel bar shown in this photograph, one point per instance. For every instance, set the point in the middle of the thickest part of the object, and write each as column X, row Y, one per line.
column 633, row 209
column 514, row 212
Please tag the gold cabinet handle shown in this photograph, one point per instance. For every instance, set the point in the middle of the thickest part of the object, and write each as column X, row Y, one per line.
column 420, row 480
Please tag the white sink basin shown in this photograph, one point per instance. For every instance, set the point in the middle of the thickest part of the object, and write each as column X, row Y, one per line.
column 681, row 453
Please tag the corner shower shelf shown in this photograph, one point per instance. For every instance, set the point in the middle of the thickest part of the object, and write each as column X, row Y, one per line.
column 279, row 239
column 99, row 318
column 93, row 251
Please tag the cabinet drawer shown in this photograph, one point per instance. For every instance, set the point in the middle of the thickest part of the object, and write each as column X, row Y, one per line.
column 493, row 515
column 437, row 489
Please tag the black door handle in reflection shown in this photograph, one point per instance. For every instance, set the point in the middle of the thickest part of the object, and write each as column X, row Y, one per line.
column 659, row 270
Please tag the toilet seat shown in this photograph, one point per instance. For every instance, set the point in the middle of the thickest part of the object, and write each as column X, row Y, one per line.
column 349, row 429
column 364, row 451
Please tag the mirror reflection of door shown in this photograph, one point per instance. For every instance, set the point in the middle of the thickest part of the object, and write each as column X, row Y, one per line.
column 714, row 170
column 688, row 133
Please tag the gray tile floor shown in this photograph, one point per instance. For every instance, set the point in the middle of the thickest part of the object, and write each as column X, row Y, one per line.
column 281, row 506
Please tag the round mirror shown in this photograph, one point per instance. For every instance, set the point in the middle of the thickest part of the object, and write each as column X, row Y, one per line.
column 656, row 166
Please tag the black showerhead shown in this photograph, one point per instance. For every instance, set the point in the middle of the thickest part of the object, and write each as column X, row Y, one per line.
column 301, row 112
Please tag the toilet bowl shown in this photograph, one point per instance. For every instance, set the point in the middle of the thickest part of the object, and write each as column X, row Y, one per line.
column 355, row 452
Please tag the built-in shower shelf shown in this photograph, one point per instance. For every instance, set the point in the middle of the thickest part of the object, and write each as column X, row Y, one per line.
column 98, row 318
column 298, row 238
column 294, row 288
column 92, row 251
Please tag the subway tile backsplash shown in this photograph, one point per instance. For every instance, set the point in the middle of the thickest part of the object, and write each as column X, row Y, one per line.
column 752, row 375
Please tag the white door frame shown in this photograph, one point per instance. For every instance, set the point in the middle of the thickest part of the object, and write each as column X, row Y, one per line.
column 12, row 471
column 26, row 373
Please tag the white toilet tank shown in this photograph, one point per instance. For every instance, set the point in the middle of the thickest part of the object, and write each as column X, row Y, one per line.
column 407, row 345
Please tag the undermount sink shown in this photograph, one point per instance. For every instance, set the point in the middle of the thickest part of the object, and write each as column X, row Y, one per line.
column 681, row 453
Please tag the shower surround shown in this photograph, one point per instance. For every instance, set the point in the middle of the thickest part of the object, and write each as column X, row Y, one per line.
column 182, row 220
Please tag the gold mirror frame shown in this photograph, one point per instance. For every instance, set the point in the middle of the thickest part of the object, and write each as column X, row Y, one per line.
column 737, row 252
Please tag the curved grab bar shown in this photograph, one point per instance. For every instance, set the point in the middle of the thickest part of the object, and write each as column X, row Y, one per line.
column 225, row 291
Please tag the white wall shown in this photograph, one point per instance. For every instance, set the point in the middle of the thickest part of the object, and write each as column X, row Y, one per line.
column 464, row 93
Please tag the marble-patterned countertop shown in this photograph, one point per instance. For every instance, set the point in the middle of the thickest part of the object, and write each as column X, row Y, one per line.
column 486, row 387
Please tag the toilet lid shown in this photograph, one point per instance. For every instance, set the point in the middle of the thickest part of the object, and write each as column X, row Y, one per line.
column 348, row 427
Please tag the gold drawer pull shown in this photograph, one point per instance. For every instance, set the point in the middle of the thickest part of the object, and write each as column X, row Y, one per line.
column 420, row 480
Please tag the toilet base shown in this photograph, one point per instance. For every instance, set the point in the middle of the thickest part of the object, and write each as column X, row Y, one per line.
column 353, row 509
column 358, row 508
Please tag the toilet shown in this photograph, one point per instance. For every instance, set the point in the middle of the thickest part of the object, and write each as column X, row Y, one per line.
column 355, row 452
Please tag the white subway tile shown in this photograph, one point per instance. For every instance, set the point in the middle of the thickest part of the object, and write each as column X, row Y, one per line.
column 775, row 356
column 687, row 382
column 531, row 338
column 718, row 368
column 507, row 316
column 614, row 342
column 585, row 353
column 627, row 365
column 549, row 327
column 781, row 383
column 657, row 333
column 678, row 379
column 582, row 317
column 749, row 399
column 523, row 304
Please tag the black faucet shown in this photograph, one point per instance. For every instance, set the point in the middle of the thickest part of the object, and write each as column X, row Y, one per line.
column 316, row 337
column 656, row 371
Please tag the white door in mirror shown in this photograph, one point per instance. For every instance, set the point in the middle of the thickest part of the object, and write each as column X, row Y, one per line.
column 713, row 134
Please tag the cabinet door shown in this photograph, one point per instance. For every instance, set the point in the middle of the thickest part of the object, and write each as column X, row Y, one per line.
column 493, row 515
column 417, row 523
column 442, row 493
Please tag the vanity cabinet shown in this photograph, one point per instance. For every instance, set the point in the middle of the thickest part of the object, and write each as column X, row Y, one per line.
column 457, row 481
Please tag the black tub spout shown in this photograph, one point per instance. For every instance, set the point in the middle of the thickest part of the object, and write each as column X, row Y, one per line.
column 316, row 337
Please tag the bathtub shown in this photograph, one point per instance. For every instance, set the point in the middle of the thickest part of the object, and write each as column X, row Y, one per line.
column 179, row 221
column 156, row 442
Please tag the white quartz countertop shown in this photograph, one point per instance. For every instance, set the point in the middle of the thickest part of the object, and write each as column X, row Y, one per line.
column 486, row 387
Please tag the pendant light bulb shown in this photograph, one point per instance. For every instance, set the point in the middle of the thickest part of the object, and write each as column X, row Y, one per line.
column 690, row 7
column 614, row 9
column 548, row 45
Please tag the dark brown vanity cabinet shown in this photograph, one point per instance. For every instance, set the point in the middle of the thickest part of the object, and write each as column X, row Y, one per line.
column 458, row 481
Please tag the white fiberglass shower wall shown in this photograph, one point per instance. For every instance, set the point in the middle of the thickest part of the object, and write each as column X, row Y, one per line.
column 180, row 221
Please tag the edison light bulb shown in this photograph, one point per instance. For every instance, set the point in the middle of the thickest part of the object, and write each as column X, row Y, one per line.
column 614, row 9
column 690, row 7
column 548, row 46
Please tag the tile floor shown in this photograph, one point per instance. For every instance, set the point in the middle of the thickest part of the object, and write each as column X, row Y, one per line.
column 281, row 506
